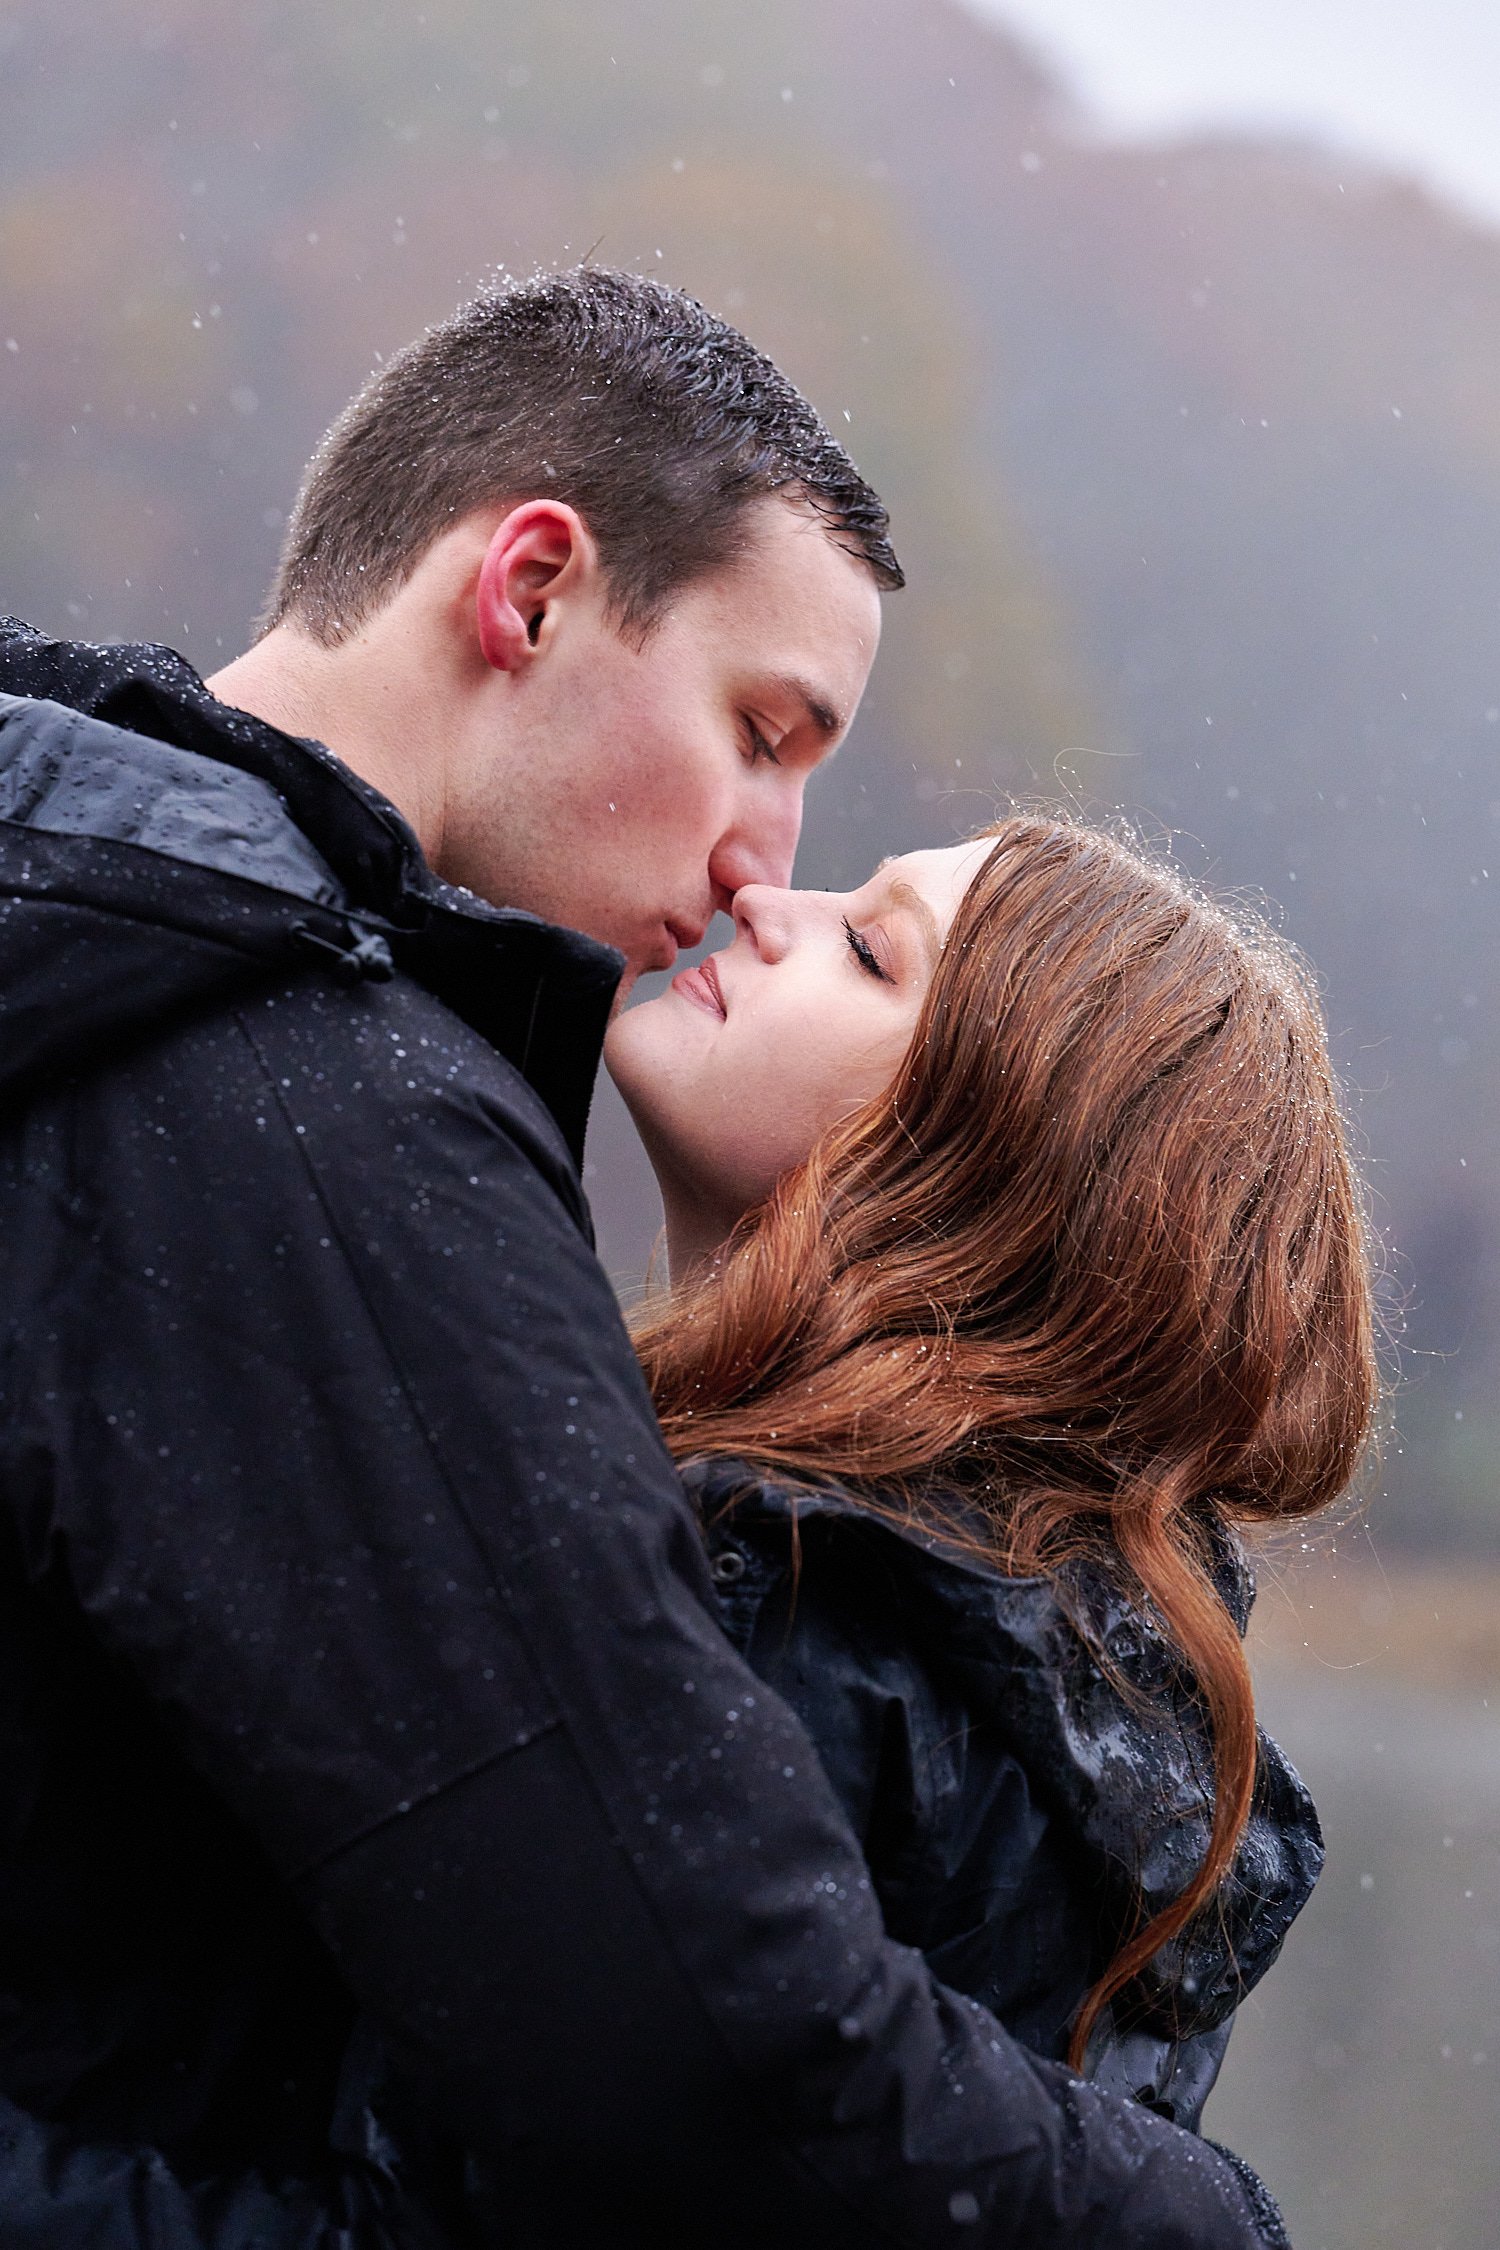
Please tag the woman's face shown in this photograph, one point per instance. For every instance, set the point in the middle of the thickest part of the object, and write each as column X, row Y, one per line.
column 735, row 1070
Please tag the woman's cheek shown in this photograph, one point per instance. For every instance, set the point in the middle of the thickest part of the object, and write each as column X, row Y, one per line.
column 769, row 1134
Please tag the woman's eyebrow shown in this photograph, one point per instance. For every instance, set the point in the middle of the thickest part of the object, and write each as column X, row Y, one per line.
column 902, row 895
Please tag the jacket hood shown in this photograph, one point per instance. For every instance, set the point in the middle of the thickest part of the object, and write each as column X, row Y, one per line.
column 1095, row 1706
column 160, row 850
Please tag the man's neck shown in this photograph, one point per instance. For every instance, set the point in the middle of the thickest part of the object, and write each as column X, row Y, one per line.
column 351, row 699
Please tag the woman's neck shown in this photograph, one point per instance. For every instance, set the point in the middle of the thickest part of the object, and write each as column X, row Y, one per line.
column 695, row 1235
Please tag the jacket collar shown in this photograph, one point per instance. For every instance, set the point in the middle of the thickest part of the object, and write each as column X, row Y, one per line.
column 539, row 993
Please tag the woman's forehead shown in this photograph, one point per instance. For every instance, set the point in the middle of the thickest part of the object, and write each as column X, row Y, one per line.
column 941, row 873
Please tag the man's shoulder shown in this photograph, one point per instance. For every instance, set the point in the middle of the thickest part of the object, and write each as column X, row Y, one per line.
column 389, row 1067
column 413, row 1059
column 381, row 1086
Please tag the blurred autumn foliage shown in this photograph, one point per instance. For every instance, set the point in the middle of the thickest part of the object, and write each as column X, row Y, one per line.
column 1193, row 455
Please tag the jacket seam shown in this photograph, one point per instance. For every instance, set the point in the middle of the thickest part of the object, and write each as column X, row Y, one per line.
column 425, row 1796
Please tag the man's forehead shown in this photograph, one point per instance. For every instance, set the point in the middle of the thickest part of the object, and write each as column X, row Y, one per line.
column 788, row 549
column 794, row 621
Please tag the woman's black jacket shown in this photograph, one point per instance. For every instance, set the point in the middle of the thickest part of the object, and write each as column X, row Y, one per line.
column 358, row 1649
column 1029, row 1775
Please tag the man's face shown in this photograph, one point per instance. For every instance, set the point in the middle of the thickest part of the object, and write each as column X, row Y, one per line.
column 637, row 789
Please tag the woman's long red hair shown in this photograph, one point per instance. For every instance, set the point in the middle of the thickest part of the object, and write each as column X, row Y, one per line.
column 1097, row 1258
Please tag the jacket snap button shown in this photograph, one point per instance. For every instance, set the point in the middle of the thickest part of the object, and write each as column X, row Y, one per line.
column 728, row 1565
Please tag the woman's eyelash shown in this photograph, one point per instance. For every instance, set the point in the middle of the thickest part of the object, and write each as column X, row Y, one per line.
column 758, row 743
column 864, row 952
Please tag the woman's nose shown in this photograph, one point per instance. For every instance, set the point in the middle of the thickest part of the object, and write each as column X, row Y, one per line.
column 762, row 915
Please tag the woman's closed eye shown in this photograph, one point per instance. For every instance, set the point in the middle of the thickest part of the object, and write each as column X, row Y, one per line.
column 864, row 952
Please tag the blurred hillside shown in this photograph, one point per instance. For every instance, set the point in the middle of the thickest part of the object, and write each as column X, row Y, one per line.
column 1362, row 2072
column 1194, row 456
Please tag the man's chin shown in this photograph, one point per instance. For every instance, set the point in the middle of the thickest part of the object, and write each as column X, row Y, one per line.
column 656, row 960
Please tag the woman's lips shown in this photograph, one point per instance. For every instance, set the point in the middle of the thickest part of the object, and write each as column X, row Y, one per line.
column 701, row 986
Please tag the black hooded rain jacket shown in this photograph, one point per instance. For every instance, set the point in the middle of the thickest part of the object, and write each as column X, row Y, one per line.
column 358, row 1655
column 1025, row 1764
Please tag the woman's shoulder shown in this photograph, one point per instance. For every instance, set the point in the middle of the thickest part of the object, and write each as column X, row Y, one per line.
column 1084, row 1626
column 1068, row 1679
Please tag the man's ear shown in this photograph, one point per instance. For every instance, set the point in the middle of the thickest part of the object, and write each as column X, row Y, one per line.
column 538, row 552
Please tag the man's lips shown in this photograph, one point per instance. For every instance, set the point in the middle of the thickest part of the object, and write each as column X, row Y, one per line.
column 702, row 987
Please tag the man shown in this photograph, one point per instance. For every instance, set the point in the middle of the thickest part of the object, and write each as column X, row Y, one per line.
column 359, row 1660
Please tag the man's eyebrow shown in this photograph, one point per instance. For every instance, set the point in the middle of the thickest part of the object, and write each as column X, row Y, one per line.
column 824, row 717
column 902, row 894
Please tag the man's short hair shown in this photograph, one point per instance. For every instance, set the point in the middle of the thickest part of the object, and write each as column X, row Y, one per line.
column 653, row 418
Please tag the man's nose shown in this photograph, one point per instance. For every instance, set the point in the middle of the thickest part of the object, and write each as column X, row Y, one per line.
column 759, row 848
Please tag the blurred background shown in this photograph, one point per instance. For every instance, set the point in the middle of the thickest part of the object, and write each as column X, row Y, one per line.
column 1170, row 329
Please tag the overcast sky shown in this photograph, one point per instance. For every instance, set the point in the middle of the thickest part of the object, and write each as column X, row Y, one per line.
column 1413, row 82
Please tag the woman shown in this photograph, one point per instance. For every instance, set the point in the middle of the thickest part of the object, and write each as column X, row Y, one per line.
column 1017, row 1259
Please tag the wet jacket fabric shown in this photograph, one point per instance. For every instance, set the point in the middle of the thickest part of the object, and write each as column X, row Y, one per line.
column 359, row 1667
column 1023, row 1764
